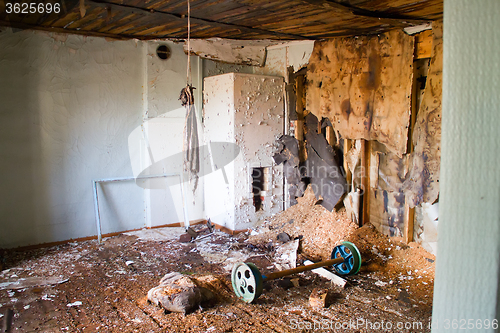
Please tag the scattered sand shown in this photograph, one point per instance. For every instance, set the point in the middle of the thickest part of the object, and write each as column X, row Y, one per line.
column 321, row 230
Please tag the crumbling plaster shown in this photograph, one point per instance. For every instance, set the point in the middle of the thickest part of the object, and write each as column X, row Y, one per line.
column 247, row 110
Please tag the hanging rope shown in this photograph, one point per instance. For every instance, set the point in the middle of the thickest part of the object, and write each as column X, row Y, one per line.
column 188, row 74
column 191, row 142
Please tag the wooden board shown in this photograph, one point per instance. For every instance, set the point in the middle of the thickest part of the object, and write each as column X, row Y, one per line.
column 422, row 184
column 387, row 211
column 363, row 85
column 423, row 44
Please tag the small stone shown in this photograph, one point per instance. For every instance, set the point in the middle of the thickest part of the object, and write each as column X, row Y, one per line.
column 318, row 297
column 185, row 238
column 285, row 283
column 179, row 293
column 283, row 237
column 192, row 232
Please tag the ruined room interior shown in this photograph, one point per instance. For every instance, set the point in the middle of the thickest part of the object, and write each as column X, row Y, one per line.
column 154, row 153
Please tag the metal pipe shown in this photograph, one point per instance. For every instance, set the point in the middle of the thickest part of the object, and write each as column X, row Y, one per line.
column 184, row 199
column 277, row 275
column 96, row 210
column 117, row 179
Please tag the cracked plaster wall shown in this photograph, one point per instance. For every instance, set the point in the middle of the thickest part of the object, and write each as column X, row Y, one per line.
column 246, row 110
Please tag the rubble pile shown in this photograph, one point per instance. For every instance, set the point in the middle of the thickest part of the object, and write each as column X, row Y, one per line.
column 319, row 229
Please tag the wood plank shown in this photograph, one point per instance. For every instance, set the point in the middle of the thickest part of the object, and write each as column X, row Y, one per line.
column 380, row 16
column 300, row 110
column 365, row 162
column 348, row 174
column 330, row 136
column 92, row 15
column 423, row 44
column 409, row 219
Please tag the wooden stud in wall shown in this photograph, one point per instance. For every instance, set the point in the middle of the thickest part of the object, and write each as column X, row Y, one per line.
column 348, row 174
column 365, row 163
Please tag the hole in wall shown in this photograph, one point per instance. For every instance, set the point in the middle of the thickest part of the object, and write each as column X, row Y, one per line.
column 163, row 52
column 260, row 179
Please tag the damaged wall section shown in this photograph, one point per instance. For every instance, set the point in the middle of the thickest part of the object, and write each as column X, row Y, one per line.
column 363, row 85
column 320, row 169
column 413, row 180
column 422, row 184
column 366, row 87
column 246, row 110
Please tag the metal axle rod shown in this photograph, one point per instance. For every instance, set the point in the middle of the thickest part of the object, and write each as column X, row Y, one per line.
column 280, row 274
column 247, row 281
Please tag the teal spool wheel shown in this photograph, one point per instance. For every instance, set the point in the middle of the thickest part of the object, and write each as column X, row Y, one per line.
column 352, row 258
column 247, row 281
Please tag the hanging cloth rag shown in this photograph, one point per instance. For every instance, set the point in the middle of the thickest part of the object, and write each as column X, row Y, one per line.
column 191, row 146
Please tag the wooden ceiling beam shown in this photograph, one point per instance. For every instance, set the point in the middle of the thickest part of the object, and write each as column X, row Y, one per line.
column 394, row 20
column 195, row 20
column 20, row 25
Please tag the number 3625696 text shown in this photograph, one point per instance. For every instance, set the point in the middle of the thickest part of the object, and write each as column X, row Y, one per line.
column 32, row 8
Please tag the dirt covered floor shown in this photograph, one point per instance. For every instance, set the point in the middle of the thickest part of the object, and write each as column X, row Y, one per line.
column 90, row 287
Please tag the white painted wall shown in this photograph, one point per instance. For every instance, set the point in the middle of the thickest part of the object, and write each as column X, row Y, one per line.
column 162, row 130
column 74, row 109
column 468, row 259
column 246, row 110
column 68, row 104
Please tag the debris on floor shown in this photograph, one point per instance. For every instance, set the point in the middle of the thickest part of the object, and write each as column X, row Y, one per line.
column 106, row 292
column 318, row 297
column 31, row 282
column 286, row 255
column 319, row 228
column 336, row 280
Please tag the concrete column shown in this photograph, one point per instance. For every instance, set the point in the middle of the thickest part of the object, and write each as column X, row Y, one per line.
column 467, row 271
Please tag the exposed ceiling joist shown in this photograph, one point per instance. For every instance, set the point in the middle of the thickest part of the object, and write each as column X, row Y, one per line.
column 281, row 20
column 389, row 18
column 194, row 20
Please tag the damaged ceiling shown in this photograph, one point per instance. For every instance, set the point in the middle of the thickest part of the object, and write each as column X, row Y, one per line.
column 241, row 19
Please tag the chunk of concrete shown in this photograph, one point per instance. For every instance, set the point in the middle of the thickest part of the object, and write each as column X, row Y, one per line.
column 179, row 293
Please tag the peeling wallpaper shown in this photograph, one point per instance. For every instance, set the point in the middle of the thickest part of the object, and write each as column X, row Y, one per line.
column 422, row 184
column 363, row 85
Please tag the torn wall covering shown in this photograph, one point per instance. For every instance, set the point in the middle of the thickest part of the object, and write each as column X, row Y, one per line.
column 386, row 197
column 239, row 52
column 422, row 183
column 363, row 85
column 411, row 180
column 320, row 169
